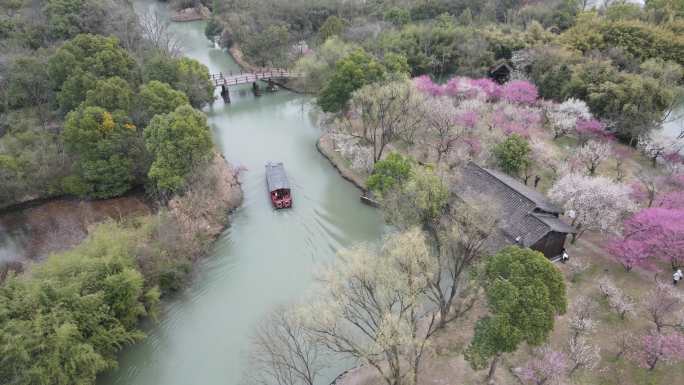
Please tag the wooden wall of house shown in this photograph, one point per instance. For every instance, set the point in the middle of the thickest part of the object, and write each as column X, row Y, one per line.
column 551, row 244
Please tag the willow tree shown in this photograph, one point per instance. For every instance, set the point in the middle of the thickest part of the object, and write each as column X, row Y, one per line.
column 372, row 307
column 420, row 201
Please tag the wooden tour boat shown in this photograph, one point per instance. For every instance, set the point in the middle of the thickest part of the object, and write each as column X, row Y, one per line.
column 278, row 185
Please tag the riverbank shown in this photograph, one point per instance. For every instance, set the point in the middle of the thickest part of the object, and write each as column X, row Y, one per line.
column 191, row 14
column 326, row 147
column 202, row 212
column 31, row 233
column 60, row 224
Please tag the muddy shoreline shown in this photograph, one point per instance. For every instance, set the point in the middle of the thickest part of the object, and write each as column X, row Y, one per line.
column 49, row 226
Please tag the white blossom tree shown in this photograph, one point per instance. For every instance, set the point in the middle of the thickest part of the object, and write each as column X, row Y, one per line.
column 581, row 321
column 563, row 117
column 349, row 147
column 618, row 301
column 583, row 355
column 657, row 143
column 661, row 304
column 593, row 203
column 593, row 154
column 546, row 155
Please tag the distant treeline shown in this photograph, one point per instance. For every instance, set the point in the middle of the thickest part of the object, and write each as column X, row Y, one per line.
column 618, row 58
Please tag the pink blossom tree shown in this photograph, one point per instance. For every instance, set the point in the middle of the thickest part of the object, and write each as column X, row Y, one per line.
column 547, row 368
column 587, row 129
column 659, row 233
column 655, row 347
column 468, row 119
column 629, row 253
column 425, row 84
column 462, row 88
column 490, row 88
column 671, row 200
column 474, row 147
column 520, row 92
column 512, row 119
column 593, row 203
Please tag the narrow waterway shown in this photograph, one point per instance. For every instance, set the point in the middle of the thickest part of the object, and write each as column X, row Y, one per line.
column 266, row 257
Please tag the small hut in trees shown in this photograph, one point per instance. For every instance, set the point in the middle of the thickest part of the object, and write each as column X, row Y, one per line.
column 501, row 72
column 527, row 217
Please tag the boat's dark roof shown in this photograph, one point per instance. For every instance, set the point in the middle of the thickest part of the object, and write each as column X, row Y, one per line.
column 276, row 177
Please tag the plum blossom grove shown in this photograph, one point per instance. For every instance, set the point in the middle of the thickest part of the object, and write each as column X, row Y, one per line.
column 463, row 119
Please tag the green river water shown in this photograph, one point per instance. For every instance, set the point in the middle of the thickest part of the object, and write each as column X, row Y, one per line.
column 266, row 257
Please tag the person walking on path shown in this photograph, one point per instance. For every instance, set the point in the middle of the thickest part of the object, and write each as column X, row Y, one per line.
column 677, row 276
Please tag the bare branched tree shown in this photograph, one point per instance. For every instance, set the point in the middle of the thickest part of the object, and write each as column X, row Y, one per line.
column 156, row 31
column 388, row 112
column 461, row 245
column 284, row 352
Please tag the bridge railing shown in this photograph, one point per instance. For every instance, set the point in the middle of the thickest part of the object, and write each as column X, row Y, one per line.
column 249, row 77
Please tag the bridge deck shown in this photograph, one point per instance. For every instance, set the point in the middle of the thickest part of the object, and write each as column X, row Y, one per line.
column 221, row 79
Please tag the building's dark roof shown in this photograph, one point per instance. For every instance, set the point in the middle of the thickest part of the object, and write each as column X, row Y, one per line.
column 533, row 195
column 502, row 65
column 276, row 177
column 555, row 223
column 524, row 212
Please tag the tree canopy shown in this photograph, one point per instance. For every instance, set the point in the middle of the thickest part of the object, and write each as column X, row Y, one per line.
column 77, row 64
column 351, row 73
column 389, row 172
column 156, row 98
column 104, row 145
column 513, row 154
column 525, row 292
column 177, row 141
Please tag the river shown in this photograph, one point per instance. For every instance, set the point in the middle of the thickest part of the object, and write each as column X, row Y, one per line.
column 266, row 257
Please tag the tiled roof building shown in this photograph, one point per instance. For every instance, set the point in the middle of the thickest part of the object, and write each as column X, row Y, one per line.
column 527, row 216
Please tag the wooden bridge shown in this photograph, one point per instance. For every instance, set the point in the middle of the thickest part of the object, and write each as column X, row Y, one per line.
column 268, row 75
column 233, row 79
